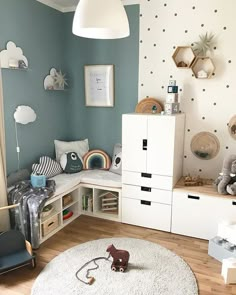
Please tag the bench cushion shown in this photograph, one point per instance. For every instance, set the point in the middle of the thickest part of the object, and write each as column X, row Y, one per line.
column 65, row 182
column 101, row 177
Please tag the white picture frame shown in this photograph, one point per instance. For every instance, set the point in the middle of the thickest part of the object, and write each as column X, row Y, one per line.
column 99, row 85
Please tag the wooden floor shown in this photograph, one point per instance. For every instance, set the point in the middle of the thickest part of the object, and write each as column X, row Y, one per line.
column 193, row 251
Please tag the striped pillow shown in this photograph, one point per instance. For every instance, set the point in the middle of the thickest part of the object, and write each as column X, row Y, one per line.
column 47, row 167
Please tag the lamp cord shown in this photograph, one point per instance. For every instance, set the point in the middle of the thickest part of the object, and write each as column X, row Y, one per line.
column 17, row 148
column 90, row 279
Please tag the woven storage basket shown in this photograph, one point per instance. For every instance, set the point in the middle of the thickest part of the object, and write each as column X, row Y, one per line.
column 146, row 105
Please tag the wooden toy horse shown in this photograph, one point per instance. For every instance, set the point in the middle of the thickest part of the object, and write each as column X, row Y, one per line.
column 120, row 258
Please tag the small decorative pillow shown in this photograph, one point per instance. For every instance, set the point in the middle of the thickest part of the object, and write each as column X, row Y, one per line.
column 80, row 147
column 47, row 167
column 116, row 164
column 96, row 159
column 71, row 162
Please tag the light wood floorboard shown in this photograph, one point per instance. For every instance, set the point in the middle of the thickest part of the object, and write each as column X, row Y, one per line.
column 193, row 251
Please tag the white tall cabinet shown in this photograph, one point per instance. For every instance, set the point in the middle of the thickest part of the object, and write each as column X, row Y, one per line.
column 152, row 156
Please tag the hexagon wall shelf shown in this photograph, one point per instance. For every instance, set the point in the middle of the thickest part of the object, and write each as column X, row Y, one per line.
column 203, row 67
column 183, row 57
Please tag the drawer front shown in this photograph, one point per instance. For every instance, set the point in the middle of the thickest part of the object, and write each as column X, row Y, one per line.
column 198, row 215
column 146, row 214
column 147, row 193
column 146, row 179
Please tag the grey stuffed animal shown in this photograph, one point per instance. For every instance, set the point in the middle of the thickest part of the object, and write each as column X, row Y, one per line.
column 231, row 187
column 224, row 181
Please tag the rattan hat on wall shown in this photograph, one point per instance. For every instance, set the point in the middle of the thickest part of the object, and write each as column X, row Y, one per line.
column 205, row 145
column 148, row 105
column 232, row 127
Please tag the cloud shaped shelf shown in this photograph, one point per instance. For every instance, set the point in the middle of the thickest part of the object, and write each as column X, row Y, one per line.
column 55, row 80
column 12, row 57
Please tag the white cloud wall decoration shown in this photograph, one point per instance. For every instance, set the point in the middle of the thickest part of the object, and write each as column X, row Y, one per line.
column 13, row 57
column 24, row 115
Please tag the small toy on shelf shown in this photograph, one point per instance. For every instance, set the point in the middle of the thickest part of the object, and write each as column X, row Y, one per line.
column 109, row 202
column 13, row 63
column 22, row 64
column 120, row 258
column 67, row 214
column 182, row 64
column 202, row 74
column 193, row 181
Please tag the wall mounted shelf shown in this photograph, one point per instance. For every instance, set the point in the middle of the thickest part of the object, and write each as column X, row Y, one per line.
column 12, row 57
column 55, row 81
column 183, row 57
column 203, row 67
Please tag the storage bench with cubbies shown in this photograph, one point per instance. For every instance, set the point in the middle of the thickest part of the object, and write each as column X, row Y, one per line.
column 94, row 192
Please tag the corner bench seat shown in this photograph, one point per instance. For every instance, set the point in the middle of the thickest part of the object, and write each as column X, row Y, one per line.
column 91, row 184
column 65, row 182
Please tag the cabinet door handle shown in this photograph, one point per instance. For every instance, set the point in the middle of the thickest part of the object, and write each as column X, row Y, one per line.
column 147, row 175
column 234, row 203
column 146, row 189
column 144, row 144
column 148, row 203
column 193, row 197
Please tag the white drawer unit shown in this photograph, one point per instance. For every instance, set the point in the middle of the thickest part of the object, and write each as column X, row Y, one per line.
column 147, row 179
column 151, row 165
column 146, row 213
column 147, row 194
column 198, row 215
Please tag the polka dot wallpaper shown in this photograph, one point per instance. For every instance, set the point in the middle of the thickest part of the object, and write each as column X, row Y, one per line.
column 209, row 104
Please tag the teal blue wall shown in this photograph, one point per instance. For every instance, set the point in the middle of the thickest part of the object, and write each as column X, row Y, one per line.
column 45, row 36
column 39, row 31
column 102, row 126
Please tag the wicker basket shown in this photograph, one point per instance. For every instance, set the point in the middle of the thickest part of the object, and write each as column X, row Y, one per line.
column 148, row 105
column 44, row 214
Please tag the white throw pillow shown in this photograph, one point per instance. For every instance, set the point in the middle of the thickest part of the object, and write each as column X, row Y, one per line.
column 116, row 165
column 80, row 147
column 47, row 167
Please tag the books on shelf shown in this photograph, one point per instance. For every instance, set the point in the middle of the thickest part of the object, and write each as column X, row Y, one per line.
column 87, row 202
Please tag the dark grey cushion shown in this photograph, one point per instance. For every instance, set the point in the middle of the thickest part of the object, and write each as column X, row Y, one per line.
column 17, row 176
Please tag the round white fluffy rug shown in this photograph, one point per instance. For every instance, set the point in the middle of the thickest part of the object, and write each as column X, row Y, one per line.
column 152, row 270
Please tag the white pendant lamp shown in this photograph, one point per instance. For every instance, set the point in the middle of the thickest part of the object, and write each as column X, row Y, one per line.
column 100, row 19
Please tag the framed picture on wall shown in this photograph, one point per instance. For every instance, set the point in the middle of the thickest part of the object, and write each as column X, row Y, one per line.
column 99, row 85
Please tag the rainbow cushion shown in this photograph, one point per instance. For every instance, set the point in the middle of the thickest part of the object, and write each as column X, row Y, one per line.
column 96, row 159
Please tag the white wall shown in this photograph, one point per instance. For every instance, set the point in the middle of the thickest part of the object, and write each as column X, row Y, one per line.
column 217, row 104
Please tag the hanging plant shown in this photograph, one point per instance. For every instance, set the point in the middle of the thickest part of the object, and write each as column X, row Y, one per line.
column 205, row 44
